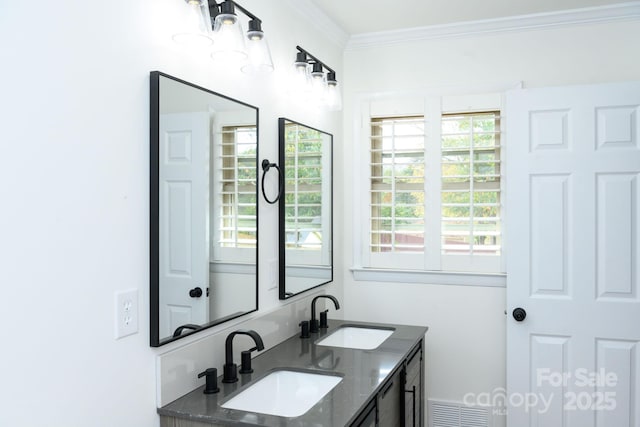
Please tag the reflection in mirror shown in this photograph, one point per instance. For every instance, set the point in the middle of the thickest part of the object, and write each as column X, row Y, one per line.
column 204, row 212
column 306, row 209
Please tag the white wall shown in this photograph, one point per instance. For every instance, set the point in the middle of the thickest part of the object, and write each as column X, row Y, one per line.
column 74, row 166
column 465, row 345
column 74, row 180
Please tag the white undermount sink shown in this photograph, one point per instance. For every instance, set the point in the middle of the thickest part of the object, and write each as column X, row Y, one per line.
column 284, row 393
column 362, row 338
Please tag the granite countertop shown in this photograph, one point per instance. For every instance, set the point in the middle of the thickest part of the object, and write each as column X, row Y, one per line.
column 363, row 372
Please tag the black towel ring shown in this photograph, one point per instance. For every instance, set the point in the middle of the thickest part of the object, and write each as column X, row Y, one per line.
column 266, row 165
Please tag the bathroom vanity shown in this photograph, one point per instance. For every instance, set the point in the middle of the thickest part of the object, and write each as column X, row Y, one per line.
column 381, row 386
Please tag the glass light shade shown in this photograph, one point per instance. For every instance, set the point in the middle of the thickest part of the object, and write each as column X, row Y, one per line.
column 300, row 88
column 229, row 39
column 195, row 25
column 259, row 56
column 334, row 98
column 300, row 73
column 318, row 87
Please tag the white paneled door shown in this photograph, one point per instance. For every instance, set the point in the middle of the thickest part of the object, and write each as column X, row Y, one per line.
column 184, row 212
column 573, row 200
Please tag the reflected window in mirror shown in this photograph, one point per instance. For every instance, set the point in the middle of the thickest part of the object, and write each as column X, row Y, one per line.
column 204, row 214
column 303, row 191
column 236, row 236
column 306, row 251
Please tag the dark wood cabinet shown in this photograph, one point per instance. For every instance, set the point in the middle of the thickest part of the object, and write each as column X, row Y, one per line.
column 400, row 401
column 390, row 402
column 413, row 393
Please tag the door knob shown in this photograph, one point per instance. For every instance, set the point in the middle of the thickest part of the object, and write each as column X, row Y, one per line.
column 195, row 292
column 519, row 314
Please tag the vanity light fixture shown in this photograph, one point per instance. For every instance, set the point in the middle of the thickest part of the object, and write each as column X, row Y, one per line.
column 209, row 23
column 312, row 84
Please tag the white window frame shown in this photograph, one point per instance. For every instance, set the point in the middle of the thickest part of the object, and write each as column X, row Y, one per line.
column 432, row 266
column 391, row 259
column 220, row 254
column 475, row 263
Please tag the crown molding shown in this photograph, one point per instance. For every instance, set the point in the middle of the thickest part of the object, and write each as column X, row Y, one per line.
column 329, row 28
column 616, row 12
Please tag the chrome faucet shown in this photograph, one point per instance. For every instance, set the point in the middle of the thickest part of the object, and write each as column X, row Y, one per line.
column 314, row 324
column 230, row 374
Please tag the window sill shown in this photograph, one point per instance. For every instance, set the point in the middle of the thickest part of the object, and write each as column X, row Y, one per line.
column 496, row 280
column 232, row 267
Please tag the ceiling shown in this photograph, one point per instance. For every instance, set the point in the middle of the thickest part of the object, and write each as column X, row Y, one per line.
column 366, row 16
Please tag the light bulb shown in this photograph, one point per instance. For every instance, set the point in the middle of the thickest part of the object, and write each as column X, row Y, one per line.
column 229, row 19
column 255, row 35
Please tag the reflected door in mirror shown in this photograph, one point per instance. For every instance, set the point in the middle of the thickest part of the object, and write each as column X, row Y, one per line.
column 184, row 190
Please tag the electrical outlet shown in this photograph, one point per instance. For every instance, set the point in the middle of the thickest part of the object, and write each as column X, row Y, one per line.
column 126, row 313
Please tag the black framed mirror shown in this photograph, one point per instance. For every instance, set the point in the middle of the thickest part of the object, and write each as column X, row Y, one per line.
column 305, row 208
column 203, row 210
